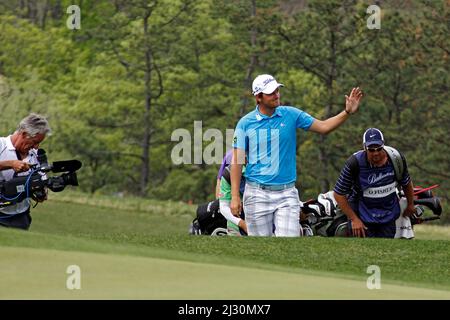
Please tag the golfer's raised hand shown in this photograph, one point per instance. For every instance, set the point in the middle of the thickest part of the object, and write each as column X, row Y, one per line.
column 352, row 101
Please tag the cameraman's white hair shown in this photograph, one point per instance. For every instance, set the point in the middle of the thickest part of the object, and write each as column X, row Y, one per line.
column 34, row 124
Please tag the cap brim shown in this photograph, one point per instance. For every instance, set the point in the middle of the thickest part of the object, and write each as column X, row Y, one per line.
column 271, row 87
column 374, row 143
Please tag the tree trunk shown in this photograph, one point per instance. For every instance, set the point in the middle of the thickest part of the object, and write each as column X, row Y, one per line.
column 253, row 59
column 43, row 9
column 145, row 168
column 57, row 10
column 32, row 11
column 323, row 148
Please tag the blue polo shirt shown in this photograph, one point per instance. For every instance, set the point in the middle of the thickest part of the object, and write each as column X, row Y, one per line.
column 270, row 144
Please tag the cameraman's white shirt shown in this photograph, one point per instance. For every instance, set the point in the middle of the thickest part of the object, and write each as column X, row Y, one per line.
column 8, row 152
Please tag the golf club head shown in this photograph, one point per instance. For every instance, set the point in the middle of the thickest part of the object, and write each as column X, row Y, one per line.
column 434, row 204
column 317, row 209
column 424, row 194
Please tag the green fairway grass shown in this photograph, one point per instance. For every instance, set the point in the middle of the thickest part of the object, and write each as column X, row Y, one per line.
column 111, row 276
column 149, row 236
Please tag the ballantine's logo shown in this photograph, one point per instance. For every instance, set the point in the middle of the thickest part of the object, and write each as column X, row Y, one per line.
column 375, row 178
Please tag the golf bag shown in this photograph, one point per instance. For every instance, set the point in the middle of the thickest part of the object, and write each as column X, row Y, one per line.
column 425, row 199
column 322, row 217
column 209, row 220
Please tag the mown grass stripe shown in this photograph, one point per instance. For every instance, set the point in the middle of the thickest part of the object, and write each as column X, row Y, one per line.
column 110, row 276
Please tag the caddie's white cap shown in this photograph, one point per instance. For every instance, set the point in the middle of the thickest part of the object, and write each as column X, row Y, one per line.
column 265, row 83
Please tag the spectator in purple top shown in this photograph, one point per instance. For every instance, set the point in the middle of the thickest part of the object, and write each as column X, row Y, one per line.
column 225, row 162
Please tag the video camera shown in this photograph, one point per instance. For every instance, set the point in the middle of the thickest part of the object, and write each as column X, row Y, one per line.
column 34, row 184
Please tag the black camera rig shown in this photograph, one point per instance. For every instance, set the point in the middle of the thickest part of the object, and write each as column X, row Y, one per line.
column 34, row 184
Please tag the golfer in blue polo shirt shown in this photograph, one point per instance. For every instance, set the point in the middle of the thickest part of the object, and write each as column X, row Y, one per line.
column 267, row 136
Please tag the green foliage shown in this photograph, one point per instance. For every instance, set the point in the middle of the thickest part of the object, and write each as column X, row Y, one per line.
column 192, row 185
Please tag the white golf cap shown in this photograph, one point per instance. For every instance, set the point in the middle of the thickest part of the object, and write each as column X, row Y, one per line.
column 265, row 83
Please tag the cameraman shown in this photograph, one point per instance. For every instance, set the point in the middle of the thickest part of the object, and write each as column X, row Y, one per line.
column 17, row 153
